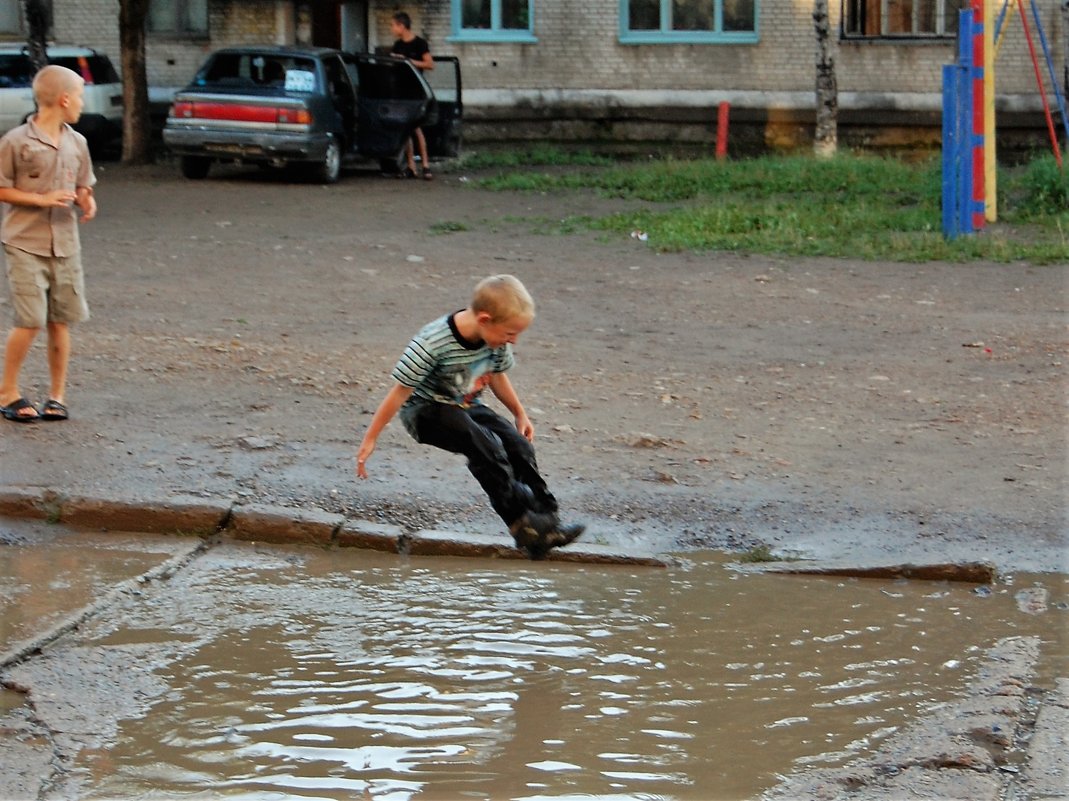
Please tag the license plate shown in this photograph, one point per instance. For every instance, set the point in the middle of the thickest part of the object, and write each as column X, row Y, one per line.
column 235, row 150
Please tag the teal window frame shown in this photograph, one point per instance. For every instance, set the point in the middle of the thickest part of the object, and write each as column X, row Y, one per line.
column 665, row 34
column 495, row 33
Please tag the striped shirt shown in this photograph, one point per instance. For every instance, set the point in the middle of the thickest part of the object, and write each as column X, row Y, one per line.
column 441, row 366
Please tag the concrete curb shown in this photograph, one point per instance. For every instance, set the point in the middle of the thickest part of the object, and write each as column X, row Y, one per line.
column 968, row 572
column 957, row 751
column 20, row 651
column 281, row 525
column 1046, row 775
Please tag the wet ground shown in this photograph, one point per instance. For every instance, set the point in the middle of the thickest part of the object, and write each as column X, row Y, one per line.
column 244, row 328
column 243, row 332
column 270, row 672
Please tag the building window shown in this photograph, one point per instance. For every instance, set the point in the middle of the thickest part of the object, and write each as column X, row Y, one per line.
column 13, row 21
column 493, row 21
column 178, row 17
column 900, row 18
column 687, row 21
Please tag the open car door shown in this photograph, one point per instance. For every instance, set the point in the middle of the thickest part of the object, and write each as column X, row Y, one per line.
column 392, row 100
column 444, row 130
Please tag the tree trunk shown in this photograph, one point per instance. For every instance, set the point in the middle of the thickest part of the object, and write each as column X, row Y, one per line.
column 136, row 125
column 826, row 135
column 35, row 12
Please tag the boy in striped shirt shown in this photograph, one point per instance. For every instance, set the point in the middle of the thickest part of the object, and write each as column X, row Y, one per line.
column 439, row 380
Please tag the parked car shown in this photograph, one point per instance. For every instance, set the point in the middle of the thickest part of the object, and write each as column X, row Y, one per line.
column 101, row 121
column 316, row 108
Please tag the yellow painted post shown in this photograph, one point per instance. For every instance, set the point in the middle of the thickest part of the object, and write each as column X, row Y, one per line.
column 990, row 167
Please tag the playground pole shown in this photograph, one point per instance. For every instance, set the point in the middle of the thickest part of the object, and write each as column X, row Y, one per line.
column 990, row 165
column 978, row 125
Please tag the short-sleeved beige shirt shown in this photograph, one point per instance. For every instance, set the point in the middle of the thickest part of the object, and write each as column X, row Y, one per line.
column 29, row 161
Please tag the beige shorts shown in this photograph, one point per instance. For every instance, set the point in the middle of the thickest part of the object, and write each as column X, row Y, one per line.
column 45, row 289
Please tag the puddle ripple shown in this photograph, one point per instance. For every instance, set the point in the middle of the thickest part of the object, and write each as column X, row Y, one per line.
column 448, row 678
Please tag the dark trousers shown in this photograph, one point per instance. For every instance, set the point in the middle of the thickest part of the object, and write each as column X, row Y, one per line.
column 500, row 458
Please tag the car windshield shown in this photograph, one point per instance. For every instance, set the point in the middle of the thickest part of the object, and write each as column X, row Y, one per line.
column 265, row 70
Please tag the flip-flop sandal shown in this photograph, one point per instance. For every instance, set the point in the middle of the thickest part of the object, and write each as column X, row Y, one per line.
column 53, row 410
column 428, row 175
column 11, row 412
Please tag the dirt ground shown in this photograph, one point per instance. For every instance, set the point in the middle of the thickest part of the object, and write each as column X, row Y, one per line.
column 244, row 328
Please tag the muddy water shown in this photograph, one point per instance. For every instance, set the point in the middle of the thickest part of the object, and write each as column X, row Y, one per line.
column 357, row 675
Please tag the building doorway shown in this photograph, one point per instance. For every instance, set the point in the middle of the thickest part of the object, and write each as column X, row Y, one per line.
column 340, row 24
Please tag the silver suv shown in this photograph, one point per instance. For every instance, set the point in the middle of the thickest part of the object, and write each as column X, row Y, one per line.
column 101, row 121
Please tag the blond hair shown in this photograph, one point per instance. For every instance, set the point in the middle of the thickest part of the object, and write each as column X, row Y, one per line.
column 52, row 82
column 504, row 298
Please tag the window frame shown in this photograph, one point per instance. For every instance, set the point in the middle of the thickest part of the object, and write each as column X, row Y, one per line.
column 495, row 33
column 941, row 14
column 180, row 13
column 665, row 35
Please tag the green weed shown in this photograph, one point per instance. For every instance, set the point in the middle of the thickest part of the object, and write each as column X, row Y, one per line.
column 448, row 227
column 856, row 206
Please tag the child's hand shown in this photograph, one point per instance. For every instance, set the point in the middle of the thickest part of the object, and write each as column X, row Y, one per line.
column 88, row 204
column 525, row 427
column 366, row 449
column 58, row 197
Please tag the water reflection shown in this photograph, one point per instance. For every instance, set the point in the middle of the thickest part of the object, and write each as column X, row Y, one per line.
column 359, row 675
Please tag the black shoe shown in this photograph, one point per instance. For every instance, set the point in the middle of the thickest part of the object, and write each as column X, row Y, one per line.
column 563, row 535
column 530, row 532
column 537, row 532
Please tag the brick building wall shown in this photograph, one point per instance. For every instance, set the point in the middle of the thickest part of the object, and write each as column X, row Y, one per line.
column 578, row 48
column 577, row 73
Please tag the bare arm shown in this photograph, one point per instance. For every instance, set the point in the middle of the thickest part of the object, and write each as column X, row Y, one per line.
column 425, row 63
column 86, row 201
column 53, row 199
column 503, row 390
column 393, row 401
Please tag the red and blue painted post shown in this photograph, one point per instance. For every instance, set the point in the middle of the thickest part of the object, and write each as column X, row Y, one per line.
column 963, row 130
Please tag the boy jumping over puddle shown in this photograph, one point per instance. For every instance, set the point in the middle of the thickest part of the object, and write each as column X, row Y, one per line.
column 441, row 375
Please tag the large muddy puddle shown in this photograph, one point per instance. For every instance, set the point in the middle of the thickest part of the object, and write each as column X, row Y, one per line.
column 342, row 675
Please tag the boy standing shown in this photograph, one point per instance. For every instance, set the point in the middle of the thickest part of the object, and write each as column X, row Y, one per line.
column 440, row 377
column 415, row 49
column 45, row 172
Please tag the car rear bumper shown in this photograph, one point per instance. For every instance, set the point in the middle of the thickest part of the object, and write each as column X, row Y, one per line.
column 245, row 146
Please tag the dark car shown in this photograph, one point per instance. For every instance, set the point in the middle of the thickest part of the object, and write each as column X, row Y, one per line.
column 283, row 106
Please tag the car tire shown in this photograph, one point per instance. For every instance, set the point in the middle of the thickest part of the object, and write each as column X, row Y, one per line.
column 195, row 167
column 329, row 169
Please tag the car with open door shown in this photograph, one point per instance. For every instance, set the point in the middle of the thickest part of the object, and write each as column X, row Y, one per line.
column 313, row 109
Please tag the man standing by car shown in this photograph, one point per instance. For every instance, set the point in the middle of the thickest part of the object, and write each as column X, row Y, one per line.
column 416, row 50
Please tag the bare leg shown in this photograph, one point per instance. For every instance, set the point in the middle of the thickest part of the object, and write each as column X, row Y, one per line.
column 410, row 155
column 19, row 341
column 421, row 140
column 59, row 354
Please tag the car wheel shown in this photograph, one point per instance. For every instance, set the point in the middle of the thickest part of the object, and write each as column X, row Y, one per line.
column 195, row 167
column 330, row 167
